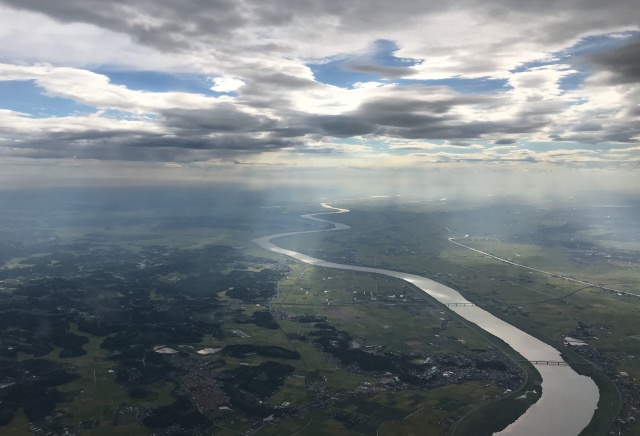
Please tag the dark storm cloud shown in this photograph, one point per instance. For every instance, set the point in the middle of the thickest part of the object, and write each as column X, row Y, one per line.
column 410, row 112
column 615, row 133
column 435, row 130
column 429, row 118
column 396, row 115
column 504, row 142
column 382, row 70
column 171, row 25
column 282, row 80
column 457, row 143
column 587, row 127
column 223, row 118
column 149, row 148
column 341, row 126
column 624, row 134
column 272, row 90
column 190, row 21
column 406, row 113
column 623, row 62
column 427, row 113
column 169, row 31
column 563, row 20
column 269, row 45
column 400, row 116
column 432, row 100
column 197, row 142
column 243, row 126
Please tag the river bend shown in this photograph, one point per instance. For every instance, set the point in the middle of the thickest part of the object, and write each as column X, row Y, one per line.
column 568, row 399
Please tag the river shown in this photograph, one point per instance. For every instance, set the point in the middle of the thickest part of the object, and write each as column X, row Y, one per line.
column 568, row 399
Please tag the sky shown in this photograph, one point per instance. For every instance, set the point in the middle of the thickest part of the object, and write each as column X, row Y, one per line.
column 226, row 89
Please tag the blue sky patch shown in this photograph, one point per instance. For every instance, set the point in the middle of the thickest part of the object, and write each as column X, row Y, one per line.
column 586, row 46
column 577, row 57
column 155, row 81
column 383, row 54
column 335, row 73
column 25, row 96
column 596, row 43
column 573, row 81
column 468, row 86
column 339, row 73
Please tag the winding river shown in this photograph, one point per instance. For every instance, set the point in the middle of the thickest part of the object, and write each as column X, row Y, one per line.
column 568, row 399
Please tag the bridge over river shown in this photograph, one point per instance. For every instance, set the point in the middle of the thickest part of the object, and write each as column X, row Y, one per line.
column 552, row 362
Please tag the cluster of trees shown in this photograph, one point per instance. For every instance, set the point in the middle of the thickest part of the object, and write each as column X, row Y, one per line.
column 274, row 351
column 261, row 318
column 254, row 286
column 138, row 367
column 311, row 319
column 262, row 380
column 495, row 365
column 33, row 388
column 149, row 335
column 42, row 310
column 180, row 412
column 37, row 334
column 336, row 342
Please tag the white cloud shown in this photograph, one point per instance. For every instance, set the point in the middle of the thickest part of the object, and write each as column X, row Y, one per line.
column 96, row 90
column 226, row 84
column 259, row 52
column 29, row 37
column 537, row 84
column 368, row 85
column 17, row 123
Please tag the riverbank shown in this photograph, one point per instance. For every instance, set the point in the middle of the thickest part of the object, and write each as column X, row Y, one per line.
column 561, row 385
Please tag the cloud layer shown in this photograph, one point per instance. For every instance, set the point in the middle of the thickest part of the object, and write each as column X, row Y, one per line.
column 463, row 81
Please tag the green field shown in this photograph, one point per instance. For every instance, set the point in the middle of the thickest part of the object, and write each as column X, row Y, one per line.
column 381, row 315
column 414, row 238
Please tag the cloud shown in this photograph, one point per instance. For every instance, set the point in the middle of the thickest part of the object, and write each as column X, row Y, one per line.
column 410, row 145
column 495, row 35
column 96, row 90
column 260, row 55
column 587, row 126
column 74, row 44
column 226, row 84
column 382, row 70
column 224, row 117
column 504, row 141
column 622, row 63
column 191, row 126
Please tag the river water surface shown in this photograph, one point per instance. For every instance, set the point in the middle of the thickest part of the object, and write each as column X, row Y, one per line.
column 568, row 399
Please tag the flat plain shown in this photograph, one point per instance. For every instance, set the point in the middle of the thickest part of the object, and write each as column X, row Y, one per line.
column 334, row 352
